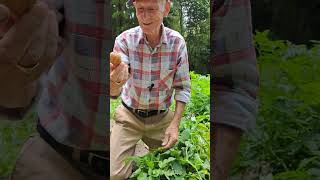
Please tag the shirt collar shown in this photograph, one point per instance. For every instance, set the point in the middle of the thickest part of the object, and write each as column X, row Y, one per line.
column 163, row 39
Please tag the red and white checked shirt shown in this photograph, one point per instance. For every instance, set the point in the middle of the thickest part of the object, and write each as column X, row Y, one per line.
column 154, row 72
column 73, row 105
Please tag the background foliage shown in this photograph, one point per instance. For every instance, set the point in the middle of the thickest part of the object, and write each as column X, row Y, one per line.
column 285, row 144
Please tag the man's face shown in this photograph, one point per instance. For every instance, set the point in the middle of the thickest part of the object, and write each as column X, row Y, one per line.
column 150, row 16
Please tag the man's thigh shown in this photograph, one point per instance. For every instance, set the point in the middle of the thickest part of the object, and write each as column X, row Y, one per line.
column 125, row 133
column 38, row 161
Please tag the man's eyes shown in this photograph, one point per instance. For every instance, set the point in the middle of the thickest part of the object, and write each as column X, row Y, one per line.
column 148, row 9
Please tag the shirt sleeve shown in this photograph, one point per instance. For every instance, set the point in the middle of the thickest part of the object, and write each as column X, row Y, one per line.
column 235, row 78
column 120, row 46
column 181, row 82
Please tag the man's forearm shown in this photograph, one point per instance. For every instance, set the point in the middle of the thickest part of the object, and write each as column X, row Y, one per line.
column 178, row 113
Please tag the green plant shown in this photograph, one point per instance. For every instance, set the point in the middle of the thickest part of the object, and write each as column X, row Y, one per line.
column 284, row 144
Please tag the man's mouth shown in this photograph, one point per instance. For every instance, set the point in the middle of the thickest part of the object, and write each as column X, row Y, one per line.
column 146, row 24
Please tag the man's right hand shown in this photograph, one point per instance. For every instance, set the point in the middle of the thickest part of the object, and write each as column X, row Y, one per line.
column 27, row 49
column 118, row 77
column 30, row 45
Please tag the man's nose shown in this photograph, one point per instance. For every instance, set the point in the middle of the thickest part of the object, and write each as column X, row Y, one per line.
column 145, row 13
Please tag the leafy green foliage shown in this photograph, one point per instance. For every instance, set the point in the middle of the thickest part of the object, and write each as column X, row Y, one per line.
column 285, row 142
column 194, row 25
column 12, row 137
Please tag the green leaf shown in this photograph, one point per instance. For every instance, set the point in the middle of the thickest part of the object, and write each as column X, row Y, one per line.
column 142, row 176
column 178, row 168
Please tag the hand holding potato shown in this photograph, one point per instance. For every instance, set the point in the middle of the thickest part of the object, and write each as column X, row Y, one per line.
column 27, row 49
column 119, row 73
column 115, row 58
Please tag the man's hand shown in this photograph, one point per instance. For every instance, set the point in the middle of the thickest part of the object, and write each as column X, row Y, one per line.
column 30, row 45
column 171, row 136
column 172, row 132
column 118, row 77
column 27, row 49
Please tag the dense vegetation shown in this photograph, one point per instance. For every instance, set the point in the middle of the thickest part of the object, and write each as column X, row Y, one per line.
column 285, row 145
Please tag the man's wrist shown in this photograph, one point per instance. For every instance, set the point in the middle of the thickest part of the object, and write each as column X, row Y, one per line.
column 115, row 89
column 175, row 123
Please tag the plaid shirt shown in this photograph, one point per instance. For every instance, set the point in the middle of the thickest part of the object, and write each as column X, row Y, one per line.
column 73, row 104
column 154, row 72
column 235, row 79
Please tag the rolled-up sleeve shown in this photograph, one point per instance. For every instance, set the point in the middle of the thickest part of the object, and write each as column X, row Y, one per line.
column 121, row 47
column 235, row 77
column 181, row 82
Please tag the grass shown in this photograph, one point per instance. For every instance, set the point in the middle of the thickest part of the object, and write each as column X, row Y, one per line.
column 12, row 137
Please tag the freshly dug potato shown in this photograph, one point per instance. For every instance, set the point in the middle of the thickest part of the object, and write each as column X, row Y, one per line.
column 18, row 7
column 115, row 58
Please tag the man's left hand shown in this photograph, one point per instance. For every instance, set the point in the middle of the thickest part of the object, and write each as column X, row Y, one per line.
column 171, row 136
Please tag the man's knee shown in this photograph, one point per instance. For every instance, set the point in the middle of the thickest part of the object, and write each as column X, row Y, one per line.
column 120, row 170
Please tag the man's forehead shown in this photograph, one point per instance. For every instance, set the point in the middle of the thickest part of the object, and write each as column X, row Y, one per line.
column 130, row 2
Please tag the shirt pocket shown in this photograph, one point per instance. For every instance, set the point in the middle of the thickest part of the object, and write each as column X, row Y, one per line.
column 166, row 79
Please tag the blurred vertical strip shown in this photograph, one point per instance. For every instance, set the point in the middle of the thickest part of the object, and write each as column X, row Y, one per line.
column 234, row 80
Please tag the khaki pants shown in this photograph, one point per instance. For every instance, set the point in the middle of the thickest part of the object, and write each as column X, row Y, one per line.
column 39, row 161
column 127, row 131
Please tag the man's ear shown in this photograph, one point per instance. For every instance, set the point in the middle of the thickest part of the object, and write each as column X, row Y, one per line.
column 166, row 9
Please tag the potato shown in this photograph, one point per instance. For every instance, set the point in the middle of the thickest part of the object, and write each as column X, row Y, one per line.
column 18, row 7
column 115, row 58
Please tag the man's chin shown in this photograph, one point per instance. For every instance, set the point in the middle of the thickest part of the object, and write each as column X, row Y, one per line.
column 146, row 30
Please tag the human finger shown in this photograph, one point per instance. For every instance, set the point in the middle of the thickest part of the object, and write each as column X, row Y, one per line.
column 165, row 139
column 37, row 46
column 15, row 42
column 50, row 53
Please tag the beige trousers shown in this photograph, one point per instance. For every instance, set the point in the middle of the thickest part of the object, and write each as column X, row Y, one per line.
column 127, row 131
column 39, row 161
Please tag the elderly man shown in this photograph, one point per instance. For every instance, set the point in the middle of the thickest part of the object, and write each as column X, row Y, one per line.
column 158, row 62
